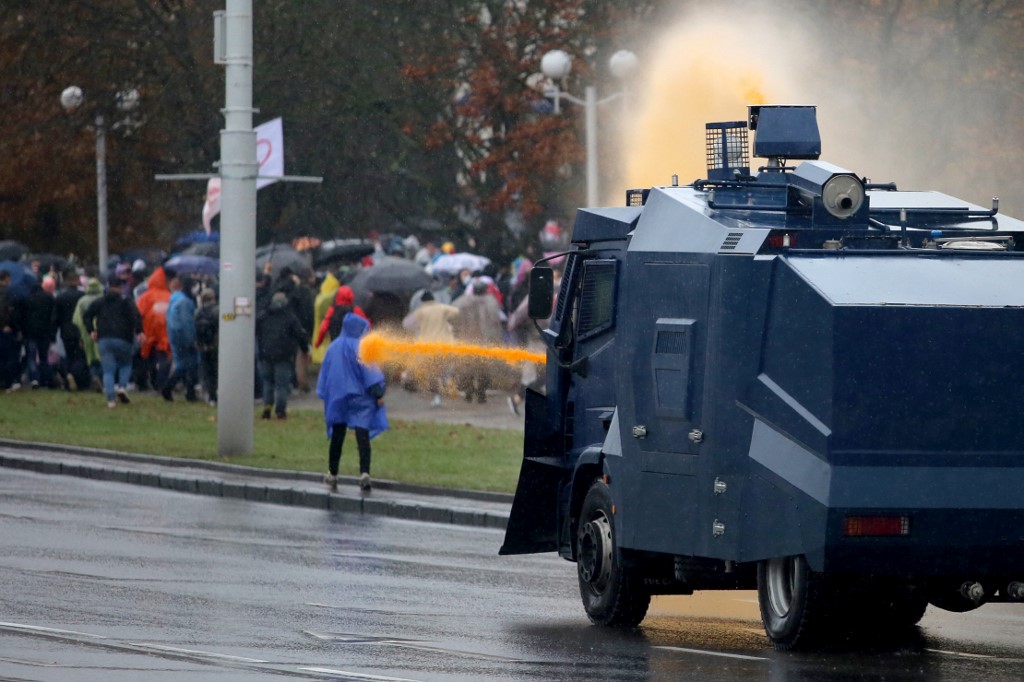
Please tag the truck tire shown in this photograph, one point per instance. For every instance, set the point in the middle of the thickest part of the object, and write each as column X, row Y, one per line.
column 611, row 589
column 793, row 602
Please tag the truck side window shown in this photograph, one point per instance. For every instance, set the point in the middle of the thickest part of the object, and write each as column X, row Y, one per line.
column 596, row 312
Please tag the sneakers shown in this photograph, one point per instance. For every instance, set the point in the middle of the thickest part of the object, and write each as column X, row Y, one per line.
column 14, row 387
column 122, row 395
column 111, row 404
column 266, row 413
column 513, row 405
column 331, row 481
column 364, row 481
column 166, row 393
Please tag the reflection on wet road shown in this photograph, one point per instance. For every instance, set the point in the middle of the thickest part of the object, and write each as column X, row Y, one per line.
column 105, row 581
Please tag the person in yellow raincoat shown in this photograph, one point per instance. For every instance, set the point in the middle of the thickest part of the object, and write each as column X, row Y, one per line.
column 323, row 302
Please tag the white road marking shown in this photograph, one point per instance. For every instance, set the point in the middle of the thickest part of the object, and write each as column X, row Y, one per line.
column 958, row 653
column 357, row 676
column 195, row 652
column 52, row 631
column 711, row 653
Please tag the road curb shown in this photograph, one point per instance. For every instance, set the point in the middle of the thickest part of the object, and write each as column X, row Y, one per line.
column 259, row 485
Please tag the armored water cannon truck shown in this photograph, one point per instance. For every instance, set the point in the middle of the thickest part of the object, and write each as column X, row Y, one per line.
column 792, row 380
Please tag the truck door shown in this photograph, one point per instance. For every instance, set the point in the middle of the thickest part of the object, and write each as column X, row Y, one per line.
column 668, row 365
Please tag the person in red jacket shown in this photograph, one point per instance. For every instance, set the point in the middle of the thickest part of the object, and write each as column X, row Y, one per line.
column 155, row 350
column 330, row 327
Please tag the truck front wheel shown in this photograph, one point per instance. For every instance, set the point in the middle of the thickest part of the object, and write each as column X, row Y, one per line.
column 610, row 586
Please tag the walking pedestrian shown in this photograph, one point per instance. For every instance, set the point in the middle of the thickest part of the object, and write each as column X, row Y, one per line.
column 39, row 329
column 10, row 345
column 113, row 322
column 432, row 321
column 353, row 395
column 279, row 336
column 478, row 322
column 93, row 290
column 155, row 352
column 181, row 333
column 207, row 336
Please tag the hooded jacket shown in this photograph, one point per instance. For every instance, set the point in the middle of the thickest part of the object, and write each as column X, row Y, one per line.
column 279, row 334
column 324, row 301
column 93, row 290
column 344, row 303
column 349, row 388
column 153, row 308
column 112, row 316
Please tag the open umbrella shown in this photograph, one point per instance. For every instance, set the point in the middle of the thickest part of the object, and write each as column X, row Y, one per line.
column 189, row 264
column 47, row 261
column 392, row 276
column 22, row 278
column 208, row 249
column 280, row 256
column 452, row 263
column 342, row 251
column 12, row 250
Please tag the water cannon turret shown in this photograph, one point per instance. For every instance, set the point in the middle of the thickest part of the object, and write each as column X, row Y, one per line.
column 785, row 132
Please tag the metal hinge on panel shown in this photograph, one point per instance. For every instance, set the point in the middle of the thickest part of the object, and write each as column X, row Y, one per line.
column 720, row 486
column 718, row 528
column 696, row 435
column 640, row 431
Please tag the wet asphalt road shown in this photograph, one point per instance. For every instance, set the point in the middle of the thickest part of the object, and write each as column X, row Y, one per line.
column 107, row 581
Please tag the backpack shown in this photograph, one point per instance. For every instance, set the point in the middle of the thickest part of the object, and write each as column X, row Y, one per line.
column 206, row 328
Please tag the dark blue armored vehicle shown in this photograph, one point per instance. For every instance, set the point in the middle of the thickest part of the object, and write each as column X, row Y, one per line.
column 794, row 380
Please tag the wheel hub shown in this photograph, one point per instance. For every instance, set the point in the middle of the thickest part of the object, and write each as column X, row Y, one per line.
column 781, row 584
column 595, row 551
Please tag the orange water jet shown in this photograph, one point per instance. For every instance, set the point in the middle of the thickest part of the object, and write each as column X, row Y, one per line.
column 377, row 348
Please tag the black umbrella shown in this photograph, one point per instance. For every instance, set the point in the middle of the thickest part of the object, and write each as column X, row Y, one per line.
column 187, row 264
column 208, row 249
column 281, row 256
column 12, row 250
column 47, row 261
column 342, row 251
column 22, row 278
column 392, row 276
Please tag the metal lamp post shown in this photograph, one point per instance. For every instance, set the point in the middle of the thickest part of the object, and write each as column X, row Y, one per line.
column 556, row 65
column 126, row 102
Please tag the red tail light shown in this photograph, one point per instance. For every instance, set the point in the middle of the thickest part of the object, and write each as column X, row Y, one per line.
column 877, row 526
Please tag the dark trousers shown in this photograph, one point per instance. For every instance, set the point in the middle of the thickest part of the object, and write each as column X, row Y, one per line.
column 208, row 365
column 10, row 359
column 277, row 383
column 37, row 353
column 338, row 439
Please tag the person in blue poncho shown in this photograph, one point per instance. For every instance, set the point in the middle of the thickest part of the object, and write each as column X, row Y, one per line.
column 353, row 395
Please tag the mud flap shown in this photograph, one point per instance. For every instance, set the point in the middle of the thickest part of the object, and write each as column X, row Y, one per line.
column 533, row 522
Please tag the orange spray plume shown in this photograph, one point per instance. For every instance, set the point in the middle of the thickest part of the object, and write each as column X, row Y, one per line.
column 377, row 348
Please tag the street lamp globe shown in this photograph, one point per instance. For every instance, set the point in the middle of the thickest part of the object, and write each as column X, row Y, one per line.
column 71, row 98
column 127, row 100
column 623, row 63
column 556, row 64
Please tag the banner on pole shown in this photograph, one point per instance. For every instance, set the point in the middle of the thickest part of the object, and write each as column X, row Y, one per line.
column 269, row 156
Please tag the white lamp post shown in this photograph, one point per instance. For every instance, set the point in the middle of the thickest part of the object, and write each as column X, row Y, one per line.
column 126, row 102
column 556, row 65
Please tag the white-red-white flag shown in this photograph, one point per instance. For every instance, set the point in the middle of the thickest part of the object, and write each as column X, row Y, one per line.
column 269, row 156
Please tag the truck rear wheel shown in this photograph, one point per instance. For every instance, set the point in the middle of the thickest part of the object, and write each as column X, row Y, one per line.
column 611, row 588
column 792, row 601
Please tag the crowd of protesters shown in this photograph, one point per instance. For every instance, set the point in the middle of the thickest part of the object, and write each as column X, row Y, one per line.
column 143, row 327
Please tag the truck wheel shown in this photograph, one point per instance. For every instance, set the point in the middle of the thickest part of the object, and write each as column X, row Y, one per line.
column 792, row 601
column 610, row 587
